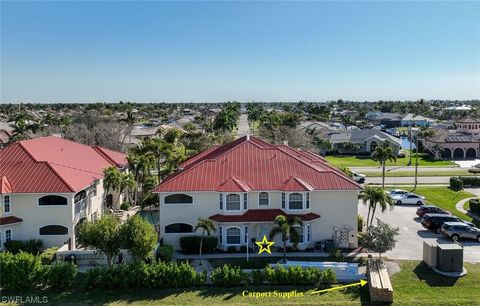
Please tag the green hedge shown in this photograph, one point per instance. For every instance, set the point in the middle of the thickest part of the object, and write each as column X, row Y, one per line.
column 165, row 252
column 228, row 276
column 157, row 275
column 32, row 246
column 191, row 244
column 59, row 275
column 296, row 275
column 474, row 205
column 460, row 182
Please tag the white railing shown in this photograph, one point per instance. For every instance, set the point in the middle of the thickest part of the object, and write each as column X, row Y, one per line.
column 80, row 210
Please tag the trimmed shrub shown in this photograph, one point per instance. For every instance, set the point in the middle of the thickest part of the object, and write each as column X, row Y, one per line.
column 32, row 246
column 191, row 244
column 48, row 256
column 470, row 181
column 228, row 276
column 474, row 205
column 165, row 252
column 336, row 255
column 298, row 276
column 59, row 275
column 456, row 183
column 125, row 206
column 157, row 275
column 257, row 277
column 19, row 271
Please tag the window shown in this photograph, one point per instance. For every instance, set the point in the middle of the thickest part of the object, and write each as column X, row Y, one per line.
column 93, row 190
column 52, row 200
column 283, row 200
column 80, row 196
column 232, row 201
column 178, row 199
column 221, row 201
column 8, row 235
column 309, row 233
column 233, row 235
column 263, row 199
column 6, row 204
column 53, row 230
column 178, row 228
column 220, row 238
column 246, row 234
column 295, row 201
column 245, row 201
column 308, row 200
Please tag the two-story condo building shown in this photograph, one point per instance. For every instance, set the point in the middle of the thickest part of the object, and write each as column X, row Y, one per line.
column 245, row 184
column 48, row 185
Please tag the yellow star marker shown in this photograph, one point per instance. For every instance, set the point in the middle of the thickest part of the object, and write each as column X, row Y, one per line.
column 262, row 246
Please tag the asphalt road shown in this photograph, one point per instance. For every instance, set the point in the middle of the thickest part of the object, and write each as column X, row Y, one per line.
column 412, row 234
column 243, row 127
column 409, row 180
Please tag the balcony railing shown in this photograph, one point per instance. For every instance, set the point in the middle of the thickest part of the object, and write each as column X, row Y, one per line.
column 80, row 210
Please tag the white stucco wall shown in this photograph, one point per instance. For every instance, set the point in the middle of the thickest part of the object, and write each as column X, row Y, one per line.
column 337, row 209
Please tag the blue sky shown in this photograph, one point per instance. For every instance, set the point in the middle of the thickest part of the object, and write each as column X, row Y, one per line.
column 244, row 51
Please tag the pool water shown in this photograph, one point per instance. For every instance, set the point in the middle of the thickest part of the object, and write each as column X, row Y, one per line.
column 406, row 143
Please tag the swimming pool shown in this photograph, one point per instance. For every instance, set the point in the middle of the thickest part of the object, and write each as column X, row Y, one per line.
column 152, row 217
column 344, row 271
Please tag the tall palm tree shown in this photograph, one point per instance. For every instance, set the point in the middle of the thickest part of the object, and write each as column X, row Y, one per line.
column 127, row 184
column 207, row 226
column 111, row 180
column 129, row 119
column 382, row 154
column 287, row 227
column 373, row 196
column 254, row 113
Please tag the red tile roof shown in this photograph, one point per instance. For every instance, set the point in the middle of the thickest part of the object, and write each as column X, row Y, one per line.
column 52, row 164
column 261, row 215
column 9, row 220
column 257, row 165
column 5, row 186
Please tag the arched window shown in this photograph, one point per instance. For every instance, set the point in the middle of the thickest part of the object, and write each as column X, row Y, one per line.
column 233, row 235
column 52, row 200
column 178, row 199
column 263, row 199
column 53, row 230
column 232, row 201
column 175, row 228
column 295, row 201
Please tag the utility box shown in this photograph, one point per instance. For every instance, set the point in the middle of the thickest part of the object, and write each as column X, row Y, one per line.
column 430, row 253
column 450, row 257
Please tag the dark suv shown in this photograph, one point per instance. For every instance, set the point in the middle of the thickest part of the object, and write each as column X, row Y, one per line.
column 434, row 222
column 430, row 209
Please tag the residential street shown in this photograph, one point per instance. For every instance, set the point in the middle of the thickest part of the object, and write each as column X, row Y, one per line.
column 243, row 127
column 443, row 180
column 412, row 234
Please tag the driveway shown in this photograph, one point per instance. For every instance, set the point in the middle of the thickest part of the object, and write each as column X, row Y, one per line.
column 412, row 234
column 243, row 127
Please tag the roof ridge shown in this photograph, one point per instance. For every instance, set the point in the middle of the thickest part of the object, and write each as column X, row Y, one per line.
column 99, row 151
column 47, row 163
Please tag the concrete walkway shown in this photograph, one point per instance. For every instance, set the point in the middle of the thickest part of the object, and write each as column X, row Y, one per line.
column 460, row 207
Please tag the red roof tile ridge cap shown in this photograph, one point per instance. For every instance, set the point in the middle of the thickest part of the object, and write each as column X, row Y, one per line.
column 59, row 176
column 304, row 183
column 75, row 168
column 99, row 150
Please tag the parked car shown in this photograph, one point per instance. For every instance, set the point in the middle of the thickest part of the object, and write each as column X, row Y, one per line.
column 358, row 177
column 430, row 209
column 408, row 198
column 396, row 192
column 458, row 230
column 434, row 222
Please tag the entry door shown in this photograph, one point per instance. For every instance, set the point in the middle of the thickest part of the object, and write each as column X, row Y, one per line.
column 264, row 230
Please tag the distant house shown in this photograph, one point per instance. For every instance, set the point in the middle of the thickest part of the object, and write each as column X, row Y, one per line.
column 49, row 185
column 462, row 143
column 243, row 185
column 321, row 129
column 388, row 120
column 361, row 141
column 416, row 120
column 6, row 132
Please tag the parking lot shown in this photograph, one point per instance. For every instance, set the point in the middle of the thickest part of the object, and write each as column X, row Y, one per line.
column 412, row 234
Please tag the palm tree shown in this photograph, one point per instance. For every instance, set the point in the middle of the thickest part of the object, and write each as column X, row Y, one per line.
column 287, row 227
column 373, row 196
column 323, row 145
column 207, row 226
column 111, row 180
column 129, row 119
column 127, row 184
column 382, row 154
column 254, row 113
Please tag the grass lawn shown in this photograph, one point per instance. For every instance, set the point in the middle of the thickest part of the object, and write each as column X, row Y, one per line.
column 456, row 172
column 416, row 284
column 366, row 161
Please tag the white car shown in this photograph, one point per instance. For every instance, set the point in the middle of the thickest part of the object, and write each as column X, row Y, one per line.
column 358, row 177
column 397, row 192
column 408, row 198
